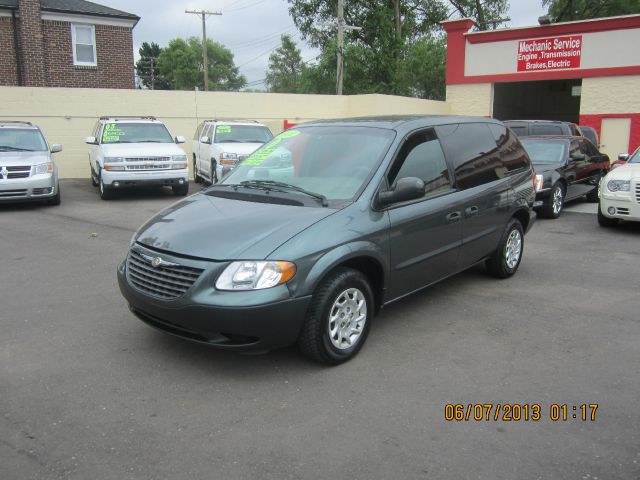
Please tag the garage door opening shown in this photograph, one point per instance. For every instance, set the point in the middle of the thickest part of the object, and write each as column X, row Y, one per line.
column 545, row 100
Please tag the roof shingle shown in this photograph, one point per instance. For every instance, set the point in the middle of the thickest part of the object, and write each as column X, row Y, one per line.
column 75, row 6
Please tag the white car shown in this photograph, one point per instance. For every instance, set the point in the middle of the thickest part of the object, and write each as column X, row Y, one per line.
column 219, row 145
column 27, row 169
column 136, row 151
column 620, row 193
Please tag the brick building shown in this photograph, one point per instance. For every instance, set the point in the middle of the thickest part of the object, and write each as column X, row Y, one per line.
column 65, row 43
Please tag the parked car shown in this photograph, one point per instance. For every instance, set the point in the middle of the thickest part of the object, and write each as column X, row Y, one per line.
column 620, row 194
column 591, row 134
column 525, row 128
column 308, row 247
column 127, row 152
column 218, row 145
column 566, row 168
column 27, row 169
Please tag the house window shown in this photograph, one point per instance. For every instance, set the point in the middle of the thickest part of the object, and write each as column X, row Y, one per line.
column 83, row 39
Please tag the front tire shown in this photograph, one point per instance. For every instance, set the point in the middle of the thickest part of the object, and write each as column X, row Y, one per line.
column 594, row 195
column 181, row 190
column 555, row 203
column 214, row 172
column 94, row 180
column 605, row 221
column 339, row 318
column 57, row 199
column 506, row 259
column 105, row 192
column 196, row 177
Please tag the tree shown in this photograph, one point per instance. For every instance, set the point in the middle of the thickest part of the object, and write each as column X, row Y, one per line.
column 147, row 67
column 569, row 10
column 181, row 64
column 284, row 73
column 422, row 73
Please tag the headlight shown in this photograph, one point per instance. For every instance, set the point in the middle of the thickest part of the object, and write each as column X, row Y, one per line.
column 618, row 185
column 113, row 159
column 228, row 159
column 43, row 168
column 250, row 275
column 539, row 182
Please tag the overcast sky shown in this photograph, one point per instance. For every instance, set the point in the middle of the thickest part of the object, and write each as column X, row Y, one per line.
column 250, row 28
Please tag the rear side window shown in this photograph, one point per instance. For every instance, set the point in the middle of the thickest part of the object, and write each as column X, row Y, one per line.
column 473, row 152
column 520, row 131
column 514, row 156
column 422, row 157
column 544, row 129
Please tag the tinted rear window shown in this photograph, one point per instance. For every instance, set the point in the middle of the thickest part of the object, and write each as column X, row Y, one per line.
column 473, row 152
column 544, row 129
column 513, row 155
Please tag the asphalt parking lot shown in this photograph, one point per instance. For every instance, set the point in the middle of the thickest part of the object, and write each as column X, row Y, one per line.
column 88, row 391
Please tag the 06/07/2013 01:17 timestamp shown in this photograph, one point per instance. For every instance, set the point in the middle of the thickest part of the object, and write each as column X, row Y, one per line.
column 517, row 412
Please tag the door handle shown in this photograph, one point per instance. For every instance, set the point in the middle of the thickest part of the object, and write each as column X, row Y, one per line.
column 471, row 211
column 454, row 217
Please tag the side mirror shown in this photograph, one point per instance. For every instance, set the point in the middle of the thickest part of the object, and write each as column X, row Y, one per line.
column 56, row 147
column 623, row 157
column 405, row 189
column 578, row 157
column 204, row 139
column 91, row 140
column 180, row 139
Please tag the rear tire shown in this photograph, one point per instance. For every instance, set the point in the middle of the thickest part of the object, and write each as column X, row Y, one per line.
column 553, row 205
column 506, row 259
column 180, row 190
column 606, row 221
column 196, row 177
column 339, row 318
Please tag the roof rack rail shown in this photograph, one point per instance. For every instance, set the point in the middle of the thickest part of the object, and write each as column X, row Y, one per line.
column 230, row 120
column 119, row 117
column 17, row 121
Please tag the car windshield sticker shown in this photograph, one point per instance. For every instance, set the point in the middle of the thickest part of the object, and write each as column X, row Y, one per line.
column 223, row 129
column 112, row 133
column 257, row 158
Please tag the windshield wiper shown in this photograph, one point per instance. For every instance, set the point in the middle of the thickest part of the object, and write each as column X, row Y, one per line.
column 229, row 141
column 269, row 184
column 15, row 149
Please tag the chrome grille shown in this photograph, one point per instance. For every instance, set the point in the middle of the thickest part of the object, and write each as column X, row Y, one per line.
column 242, row 157
column 147, row 159
column 155, row 166
column 638, row 192
column 13, row 193
column 165, row 281
column 20, row 171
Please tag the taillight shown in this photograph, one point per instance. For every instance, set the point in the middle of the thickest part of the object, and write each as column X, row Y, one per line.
column 538, row 182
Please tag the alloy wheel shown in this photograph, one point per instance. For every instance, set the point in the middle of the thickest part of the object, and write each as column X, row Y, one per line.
column 513, row 249
column 347, row 318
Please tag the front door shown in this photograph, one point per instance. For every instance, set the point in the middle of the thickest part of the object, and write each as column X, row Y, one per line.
column 425, row 233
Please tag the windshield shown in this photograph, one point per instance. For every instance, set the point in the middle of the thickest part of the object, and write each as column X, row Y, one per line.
column 242, row 134
column 330, row 161
column 635, row 158
column 545, row 151
column 21, row 140
column 135, row 133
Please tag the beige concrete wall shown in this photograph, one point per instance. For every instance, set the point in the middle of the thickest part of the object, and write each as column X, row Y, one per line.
column 472, row 99
column 67, row 115
column 610, row 95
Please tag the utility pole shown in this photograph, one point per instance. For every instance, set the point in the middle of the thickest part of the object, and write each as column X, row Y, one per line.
column 153, row 73
column 341, row 28
column 203, row 14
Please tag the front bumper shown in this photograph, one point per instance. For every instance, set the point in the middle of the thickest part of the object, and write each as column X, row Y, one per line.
column 33, row 188
column 145, row 178
column 541, row 197
column 239, row 321
column 625, row 208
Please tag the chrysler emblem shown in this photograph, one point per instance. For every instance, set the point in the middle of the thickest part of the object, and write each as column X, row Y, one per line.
column 156, row 262
column 4, row 171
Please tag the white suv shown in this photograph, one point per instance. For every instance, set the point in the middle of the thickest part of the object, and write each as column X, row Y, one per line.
column 218, row 145
column 136, row 151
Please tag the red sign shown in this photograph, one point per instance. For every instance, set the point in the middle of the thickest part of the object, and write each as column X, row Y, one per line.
column 555, row 53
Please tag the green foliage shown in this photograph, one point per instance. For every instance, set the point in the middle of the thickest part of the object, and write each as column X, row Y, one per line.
column 284, row 73
column 147, row 67
column 401, row 56
column 181, row 64
column 568, row 10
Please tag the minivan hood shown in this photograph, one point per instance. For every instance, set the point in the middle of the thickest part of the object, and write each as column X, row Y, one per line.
column 10, row 159
column 225, row 229
column 140, row 149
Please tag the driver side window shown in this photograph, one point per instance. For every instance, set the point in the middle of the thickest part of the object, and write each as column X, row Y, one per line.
column 422, row 157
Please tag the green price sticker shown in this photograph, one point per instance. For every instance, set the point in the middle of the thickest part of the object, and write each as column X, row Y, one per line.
column 223, row 129
column 289, row 134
